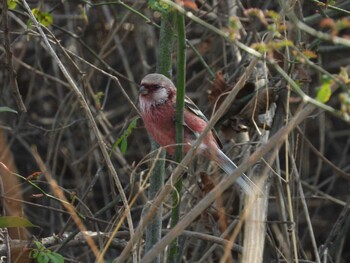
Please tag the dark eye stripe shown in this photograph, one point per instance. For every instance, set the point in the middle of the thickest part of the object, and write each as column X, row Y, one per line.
column 152, row 87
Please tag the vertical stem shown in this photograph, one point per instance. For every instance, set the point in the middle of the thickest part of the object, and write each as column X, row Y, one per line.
column 164, row 65
column 180, row 103
column 8, row 64
column 156, row 182
column 166, row 40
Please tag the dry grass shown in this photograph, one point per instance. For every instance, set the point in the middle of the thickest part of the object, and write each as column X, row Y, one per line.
column 80, row 97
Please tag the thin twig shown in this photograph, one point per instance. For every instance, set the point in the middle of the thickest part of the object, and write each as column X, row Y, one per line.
column 186, row 160
column 89, row 115
column 275, row 141
column 9, row 62
column 59, row 193
column 305, row 209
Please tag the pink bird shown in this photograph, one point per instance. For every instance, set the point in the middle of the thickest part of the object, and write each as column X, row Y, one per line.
column 157, row 98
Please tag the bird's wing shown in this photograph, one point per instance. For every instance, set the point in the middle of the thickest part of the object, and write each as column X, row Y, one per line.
column 191, row 106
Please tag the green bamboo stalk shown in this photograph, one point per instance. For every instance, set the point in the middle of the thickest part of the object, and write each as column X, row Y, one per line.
column 164, row 65
column 180, row 103
column 166, row 44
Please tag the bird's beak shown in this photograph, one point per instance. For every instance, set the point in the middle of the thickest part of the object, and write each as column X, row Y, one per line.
column 143, row 90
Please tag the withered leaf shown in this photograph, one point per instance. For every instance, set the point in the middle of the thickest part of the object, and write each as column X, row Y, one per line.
column 259, row 104
column 207, row 183
column 190, row 4
column 218, row 88
column 244, row 111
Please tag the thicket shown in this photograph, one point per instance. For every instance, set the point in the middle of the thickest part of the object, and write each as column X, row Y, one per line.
column 76, row 162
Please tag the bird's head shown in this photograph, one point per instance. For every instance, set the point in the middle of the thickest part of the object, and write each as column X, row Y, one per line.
column 155, row 89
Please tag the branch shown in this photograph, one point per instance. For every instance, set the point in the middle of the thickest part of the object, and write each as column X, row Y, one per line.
column 182, row 166
column 9, row 64
column 87, row 112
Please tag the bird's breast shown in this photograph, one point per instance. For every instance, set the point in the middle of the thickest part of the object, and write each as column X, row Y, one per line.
column 159, row 121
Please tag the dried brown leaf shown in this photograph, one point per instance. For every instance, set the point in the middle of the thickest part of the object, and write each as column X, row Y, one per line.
column 188, row 4
column 207, row 183
column 259, row 104
column 219, row 87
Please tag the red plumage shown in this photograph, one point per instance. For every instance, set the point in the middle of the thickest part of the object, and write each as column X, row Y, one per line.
column 157, row 98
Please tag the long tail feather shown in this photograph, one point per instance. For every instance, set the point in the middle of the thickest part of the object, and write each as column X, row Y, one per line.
column 229, row 167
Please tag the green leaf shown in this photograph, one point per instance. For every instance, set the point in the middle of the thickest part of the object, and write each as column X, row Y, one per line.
column 38, row 244
column 260, row 47
column 84, row 16
column 124, row 145
column 98, row 97
column 7, row 109
column 234, row 23
column 55, row 257
column 281, row 44
column 274, row 15
column 122, row 140
column 12, row 4
column 44, row 255
column 159, row 6
column 325, row 91
column 15, row 221
column 43, row 18
column 331, row 2
column 34, row 253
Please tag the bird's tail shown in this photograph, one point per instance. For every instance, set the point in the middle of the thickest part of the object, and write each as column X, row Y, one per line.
column 226, row 164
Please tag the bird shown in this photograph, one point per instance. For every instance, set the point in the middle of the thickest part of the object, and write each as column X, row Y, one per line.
column 157, row 105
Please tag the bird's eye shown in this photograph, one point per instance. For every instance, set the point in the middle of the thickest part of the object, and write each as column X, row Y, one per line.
column 151, row 87
column 155, row 87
